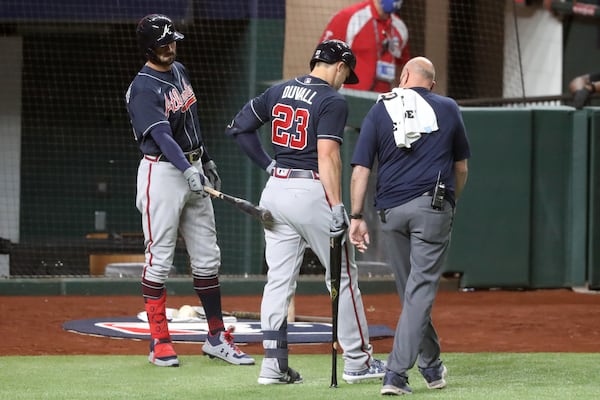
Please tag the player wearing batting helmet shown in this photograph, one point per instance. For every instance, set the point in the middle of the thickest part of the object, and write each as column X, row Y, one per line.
column 307, row 117
column 172, row 173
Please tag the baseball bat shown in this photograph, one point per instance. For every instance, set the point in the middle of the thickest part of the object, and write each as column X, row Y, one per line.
column 256, row 315
column 259, row 212
column 335, row 270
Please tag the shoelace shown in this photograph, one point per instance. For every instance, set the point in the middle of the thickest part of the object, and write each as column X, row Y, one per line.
column 228, row 335
column 376, row 365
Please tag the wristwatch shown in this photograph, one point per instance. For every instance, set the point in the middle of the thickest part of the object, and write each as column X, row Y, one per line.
column 355, row 216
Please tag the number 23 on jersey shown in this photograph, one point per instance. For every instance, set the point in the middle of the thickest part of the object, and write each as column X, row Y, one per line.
column 284, row 118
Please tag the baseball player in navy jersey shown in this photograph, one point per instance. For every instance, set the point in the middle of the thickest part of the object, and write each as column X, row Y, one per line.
column 172, row 173
column 307, row 117
column 418, row 184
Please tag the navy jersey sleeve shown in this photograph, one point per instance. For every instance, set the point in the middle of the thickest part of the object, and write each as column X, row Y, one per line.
column 243, row 128
column 252, row 116
column 366, row 145
column 461, row 147
column 146, row 111
column 332, row 120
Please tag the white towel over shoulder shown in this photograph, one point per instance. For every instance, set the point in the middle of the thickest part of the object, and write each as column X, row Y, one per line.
column 411, row 114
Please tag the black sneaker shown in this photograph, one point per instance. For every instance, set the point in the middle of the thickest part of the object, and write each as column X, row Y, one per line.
column 290, row 376
column 435, row 377
column 394, row 384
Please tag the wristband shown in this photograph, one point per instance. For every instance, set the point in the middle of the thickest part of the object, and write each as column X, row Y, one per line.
column 355, row 216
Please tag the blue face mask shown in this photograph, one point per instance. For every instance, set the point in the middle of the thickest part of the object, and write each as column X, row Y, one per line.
column 389, row 6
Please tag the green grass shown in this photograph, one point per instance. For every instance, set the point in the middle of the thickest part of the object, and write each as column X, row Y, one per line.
column 485, row 376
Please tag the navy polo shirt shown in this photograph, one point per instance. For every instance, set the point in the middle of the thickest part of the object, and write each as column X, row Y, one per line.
column 405, row 174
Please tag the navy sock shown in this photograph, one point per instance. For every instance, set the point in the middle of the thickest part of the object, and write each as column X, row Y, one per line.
column 152, row 290
column 208, row 290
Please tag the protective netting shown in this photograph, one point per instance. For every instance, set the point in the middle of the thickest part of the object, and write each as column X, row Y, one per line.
column 68, row 160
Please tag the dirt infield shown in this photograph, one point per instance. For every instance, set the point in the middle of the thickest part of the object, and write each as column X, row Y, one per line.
column 481, row 321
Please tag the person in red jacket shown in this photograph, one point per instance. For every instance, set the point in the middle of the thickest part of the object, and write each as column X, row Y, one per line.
column 378, row 38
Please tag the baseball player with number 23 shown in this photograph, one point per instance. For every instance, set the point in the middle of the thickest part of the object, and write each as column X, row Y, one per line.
column 307, row 117
column 171, row 176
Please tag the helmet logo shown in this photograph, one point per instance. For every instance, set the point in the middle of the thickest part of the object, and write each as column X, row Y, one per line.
column 166, row 31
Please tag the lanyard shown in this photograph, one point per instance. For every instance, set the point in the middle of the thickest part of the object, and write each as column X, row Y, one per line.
column 382, row 46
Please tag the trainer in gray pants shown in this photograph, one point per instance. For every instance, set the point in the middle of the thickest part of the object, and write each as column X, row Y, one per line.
column 416, row 238
column 419, row 143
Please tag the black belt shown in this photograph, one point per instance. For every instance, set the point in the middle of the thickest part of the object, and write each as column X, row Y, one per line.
column 286, row 173
column 194, row 155
column 191, row 156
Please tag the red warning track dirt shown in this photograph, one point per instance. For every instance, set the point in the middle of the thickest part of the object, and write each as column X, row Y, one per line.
column 481, row 321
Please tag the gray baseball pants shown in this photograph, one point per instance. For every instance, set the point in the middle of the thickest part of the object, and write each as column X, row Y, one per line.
column 416, row 238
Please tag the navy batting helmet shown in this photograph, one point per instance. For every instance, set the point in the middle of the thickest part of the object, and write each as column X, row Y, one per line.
column 155, row 30
column 332, row 51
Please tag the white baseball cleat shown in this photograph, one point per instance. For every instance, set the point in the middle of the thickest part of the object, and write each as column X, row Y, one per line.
column 222, row 346
column 290, row 376
column 375, row 371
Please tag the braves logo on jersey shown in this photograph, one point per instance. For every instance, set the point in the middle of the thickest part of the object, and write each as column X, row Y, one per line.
column 175, row 101
column 155, row 98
